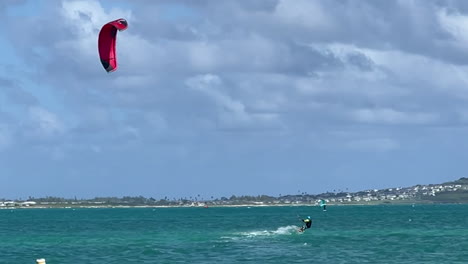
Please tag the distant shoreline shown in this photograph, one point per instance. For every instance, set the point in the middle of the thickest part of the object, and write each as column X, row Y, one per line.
column 215, row 206
column 455, row 192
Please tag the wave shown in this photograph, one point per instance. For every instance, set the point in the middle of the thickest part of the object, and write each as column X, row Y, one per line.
column 284, row 230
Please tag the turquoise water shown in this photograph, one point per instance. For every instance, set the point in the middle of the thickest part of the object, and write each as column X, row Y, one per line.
column 343, row 234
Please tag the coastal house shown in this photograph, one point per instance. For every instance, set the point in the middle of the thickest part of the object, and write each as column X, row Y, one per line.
column 28, row 203
column 349, row 197
column 9, row 203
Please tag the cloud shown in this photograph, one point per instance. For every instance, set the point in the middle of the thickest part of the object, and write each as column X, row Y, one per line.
column 391, row 116
column 299, row 14
column 44, row 124
column 276, row 62
column 15, row 94
column 234, row 113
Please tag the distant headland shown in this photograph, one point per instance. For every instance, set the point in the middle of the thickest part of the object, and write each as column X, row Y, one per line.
column 448, row 192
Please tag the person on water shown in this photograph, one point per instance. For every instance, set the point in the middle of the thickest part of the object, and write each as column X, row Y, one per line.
column 307, row 222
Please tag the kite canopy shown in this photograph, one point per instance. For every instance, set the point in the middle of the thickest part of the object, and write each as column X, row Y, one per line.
column 106, row 43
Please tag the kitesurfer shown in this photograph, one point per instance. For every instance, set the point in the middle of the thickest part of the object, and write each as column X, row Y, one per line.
column 307, row 222
column 323, row 204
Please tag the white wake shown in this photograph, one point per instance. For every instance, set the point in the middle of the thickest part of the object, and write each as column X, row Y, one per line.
column 284, row 230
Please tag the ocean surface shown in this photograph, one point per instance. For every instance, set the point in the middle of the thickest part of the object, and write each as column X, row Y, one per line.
column 343, row 234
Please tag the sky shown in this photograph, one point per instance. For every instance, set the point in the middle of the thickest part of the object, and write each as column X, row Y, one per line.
column 220, row 98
